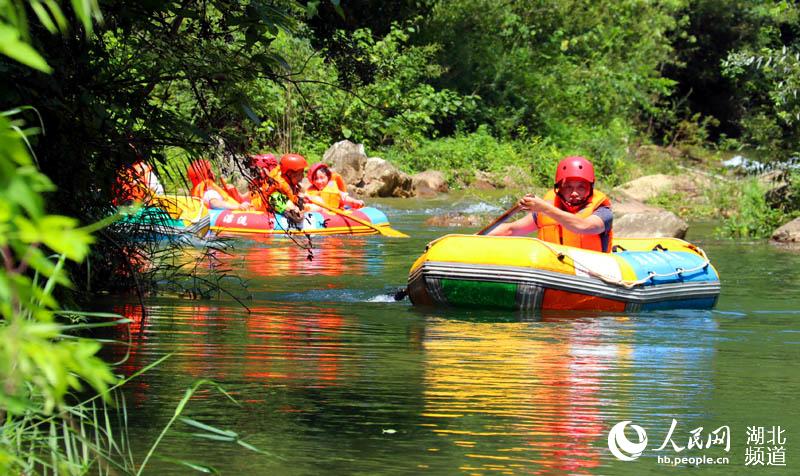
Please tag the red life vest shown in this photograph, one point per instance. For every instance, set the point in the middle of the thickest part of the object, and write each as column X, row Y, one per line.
column 552, row 231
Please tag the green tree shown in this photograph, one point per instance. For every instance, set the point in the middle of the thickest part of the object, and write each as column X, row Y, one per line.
column 40, row 363
column 154, row 75
column 767, row 73
column 551, row 66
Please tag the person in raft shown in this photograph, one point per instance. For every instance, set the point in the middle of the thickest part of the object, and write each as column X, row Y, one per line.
column 204, row 187
column 327, row 188
column 136, row 183
column 260, row 166
column 573, row 213
column 280, row 191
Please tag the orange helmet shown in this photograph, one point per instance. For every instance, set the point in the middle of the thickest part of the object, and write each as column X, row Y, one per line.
column 200, row 170
column 293, row 163
column 575, row 167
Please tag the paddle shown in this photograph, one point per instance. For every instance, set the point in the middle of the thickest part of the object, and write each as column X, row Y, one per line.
column 502, row 218
column 383, row 230
column 401, row 293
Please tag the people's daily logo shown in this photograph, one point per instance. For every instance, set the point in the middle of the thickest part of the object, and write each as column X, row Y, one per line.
column 623, row 448
column 766, row 445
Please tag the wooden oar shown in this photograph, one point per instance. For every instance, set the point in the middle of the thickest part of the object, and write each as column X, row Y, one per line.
column 401, row 293
column 383, row 230
column 497, row 221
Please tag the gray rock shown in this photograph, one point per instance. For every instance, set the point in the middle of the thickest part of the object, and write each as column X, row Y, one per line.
column 650, row 224
column 483, row 181
column 349, row 160
column 650, row 186
column 457, row 220
column 382, row 179
column 429, row 183
column 622, row 206
column 342, row 148
column 788, row 233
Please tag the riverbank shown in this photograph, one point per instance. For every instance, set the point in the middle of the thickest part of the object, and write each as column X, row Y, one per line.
column 661, row 188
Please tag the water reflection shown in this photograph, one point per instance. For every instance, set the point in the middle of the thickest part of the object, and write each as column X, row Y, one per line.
column 511, row 395
column 300, row 350
column 272, row 344
column 282, row 257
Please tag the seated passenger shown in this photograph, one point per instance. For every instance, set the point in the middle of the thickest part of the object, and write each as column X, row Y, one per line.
column 259, row 167
column 573, row 213
column 204, row 187
column 136, row 183
column 328, row 188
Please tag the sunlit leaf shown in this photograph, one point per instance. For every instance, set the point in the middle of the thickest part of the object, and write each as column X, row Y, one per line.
column 13, row 47
column 44, row 16
column 58, row 15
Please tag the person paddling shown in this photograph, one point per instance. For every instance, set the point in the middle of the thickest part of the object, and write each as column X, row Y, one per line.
column 572, row 213
column 280, row 192
column 328, row 188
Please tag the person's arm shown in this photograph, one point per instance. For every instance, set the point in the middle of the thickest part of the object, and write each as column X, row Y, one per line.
column 310, row 202
column 350, row 201
column 590, row 225
column 215, row 201
column 521, row 227
column 219, row 204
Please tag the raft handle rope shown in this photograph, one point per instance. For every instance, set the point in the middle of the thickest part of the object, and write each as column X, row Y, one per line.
column 631, row 284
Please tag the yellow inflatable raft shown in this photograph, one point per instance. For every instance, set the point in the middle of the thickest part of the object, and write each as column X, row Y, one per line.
column 527, row 273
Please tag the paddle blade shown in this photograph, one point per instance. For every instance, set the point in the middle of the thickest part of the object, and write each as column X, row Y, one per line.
column 391, row 232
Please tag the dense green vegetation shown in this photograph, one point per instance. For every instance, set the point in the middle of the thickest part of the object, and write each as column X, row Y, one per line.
column 502, row 87
column 56, row 393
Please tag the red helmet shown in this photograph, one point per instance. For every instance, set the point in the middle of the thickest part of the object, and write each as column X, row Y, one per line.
column 575, row 167
column 316, row 167
column 263, row 161
column 293, row 163
column 200, row 170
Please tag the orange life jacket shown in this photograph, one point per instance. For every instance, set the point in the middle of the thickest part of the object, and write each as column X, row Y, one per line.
column 132, row 184
column 200, row 189
column 331, row 194
column 127, row 189
column 552, row 231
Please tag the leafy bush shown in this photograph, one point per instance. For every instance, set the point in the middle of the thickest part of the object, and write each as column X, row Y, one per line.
column 378, row 93
column 754, row 217
column 533, row 160
column 554, row 66
column 766, row 72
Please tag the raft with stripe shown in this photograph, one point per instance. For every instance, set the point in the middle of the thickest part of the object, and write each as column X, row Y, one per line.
column 529, row 274
column 314, row 223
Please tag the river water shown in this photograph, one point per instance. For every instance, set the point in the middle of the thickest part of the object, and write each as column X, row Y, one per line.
column 334, row 377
